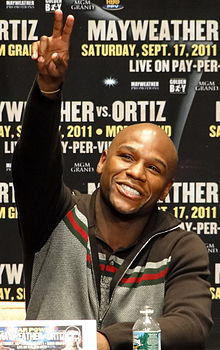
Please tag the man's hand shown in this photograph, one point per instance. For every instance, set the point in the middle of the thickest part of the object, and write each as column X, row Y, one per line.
column 102, row 342
column 52, row 53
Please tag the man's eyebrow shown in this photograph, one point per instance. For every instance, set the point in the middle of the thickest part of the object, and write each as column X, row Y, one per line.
column 130, row 148
column 133, row 149
column 158, row 160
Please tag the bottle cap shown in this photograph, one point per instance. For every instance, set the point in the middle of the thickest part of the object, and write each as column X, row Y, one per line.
column 147, row 310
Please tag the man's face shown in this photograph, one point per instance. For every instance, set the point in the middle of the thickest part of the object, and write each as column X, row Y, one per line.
column 135, row 171
column 72, row 337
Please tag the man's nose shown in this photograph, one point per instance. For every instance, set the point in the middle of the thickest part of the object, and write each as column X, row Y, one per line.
column 137, row 171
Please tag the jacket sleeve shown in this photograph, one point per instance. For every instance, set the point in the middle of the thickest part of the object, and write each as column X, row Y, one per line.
column 186, row 318
column 119, row 335
column 41, row 197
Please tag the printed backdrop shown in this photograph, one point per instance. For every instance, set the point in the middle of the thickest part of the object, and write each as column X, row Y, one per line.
column 131, row 61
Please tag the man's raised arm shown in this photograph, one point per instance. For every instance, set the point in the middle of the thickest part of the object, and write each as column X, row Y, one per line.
column 37, row 160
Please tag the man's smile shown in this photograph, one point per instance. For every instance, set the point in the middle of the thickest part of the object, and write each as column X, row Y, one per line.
column 128, row 191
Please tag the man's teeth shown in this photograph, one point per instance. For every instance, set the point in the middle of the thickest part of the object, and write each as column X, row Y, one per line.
column 130, row 190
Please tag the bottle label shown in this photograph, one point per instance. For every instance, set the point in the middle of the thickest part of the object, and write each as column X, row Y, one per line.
column 146, row 340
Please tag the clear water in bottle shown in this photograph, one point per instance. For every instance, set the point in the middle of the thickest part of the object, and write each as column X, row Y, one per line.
column 146, row 331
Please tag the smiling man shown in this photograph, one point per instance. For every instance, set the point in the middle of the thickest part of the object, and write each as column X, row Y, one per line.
column 107, row 255
column 136, row 172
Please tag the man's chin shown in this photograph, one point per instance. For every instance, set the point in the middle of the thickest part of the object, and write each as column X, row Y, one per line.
column 127, row 213
column 124, row 211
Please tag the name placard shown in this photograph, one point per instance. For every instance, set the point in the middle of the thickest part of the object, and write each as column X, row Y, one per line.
column 48, row 334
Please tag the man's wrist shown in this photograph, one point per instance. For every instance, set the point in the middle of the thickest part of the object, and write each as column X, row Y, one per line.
column 50, row 92
column 49, row 86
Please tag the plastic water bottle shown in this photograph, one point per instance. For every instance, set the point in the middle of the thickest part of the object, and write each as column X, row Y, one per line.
column 146, row 331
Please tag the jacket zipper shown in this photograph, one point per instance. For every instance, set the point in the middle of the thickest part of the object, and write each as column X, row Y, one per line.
column 99, row 322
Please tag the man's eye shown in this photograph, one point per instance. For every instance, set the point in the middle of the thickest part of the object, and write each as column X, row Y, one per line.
column 126, row 156
column 154, row 168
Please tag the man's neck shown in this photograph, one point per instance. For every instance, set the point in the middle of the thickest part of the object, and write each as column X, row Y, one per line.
column 116, row 230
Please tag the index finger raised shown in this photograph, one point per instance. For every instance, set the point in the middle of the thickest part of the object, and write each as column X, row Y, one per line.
column 58, row 23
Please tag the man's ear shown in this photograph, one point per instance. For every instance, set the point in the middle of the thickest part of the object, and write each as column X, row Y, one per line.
column 101, row 162
column 166, row 190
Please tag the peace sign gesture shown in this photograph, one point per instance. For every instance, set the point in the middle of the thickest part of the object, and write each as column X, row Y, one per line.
column 52, row 53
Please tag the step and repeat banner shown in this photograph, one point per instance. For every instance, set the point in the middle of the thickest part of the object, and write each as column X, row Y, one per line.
column 132, row 61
